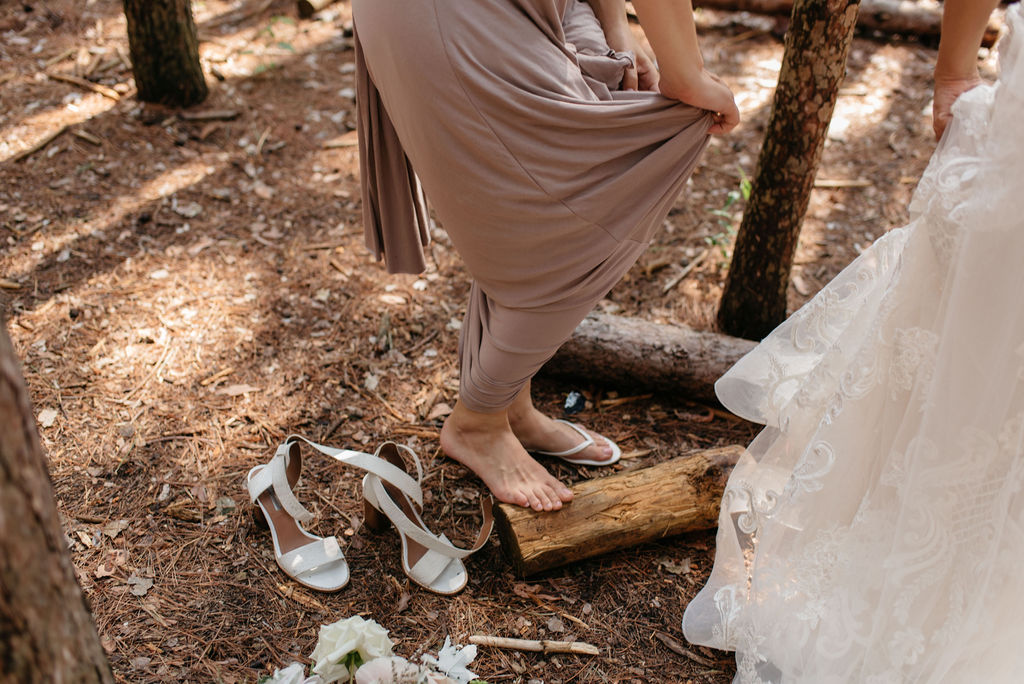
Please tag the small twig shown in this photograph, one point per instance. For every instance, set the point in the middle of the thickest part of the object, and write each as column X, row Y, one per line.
column 679, row 649
column 219, row 375
column 24, row 154
column 426, row 433
column 685, row 272
column 152, row 373
column 87, row 137
column 88, row 85
column 59, row 58
column 619, row 401
column 210, row 115
column 543, row 646
column 262, row 141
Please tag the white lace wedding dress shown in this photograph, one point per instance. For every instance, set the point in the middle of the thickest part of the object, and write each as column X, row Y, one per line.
column 874, row 531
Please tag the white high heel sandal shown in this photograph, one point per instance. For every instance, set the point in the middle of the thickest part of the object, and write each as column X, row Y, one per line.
column 429, row 560
column 314, row 562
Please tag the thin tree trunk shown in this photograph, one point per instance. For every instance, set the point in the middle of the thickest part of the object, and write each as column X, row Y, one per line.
column 165, row 52
column 813, row 66
column 46, row 631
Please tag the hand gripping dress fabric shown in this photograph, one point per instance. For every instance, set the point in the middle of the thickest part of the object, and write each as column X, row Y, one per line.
column 874, row 531
column 549, row 181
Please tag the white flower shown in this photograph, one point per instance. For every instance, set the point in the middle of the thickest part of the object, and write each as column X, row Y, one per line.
column 393, row 670
column 293, row 674
column 453, row 661
column 345, row 645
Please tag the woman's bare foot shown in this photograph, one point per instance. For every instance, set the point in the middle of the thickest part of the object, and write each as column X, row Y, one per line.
column 537, row 432
column 484, row 443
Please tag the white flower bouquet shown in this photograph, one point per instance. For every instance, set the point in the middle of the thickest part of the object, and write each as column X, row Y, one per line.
column 359, row 650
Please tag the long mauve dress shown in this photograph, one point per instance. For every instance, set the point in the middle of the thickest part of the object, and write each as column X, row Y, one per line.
column 549, row 181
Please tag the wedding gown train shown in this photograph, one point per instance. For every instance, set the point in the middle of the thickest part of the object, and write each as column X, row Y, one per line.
column 874, row 531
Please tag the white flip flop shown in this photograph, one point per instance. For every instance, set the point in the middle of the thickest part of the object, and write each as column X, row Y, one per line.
column 588, row 441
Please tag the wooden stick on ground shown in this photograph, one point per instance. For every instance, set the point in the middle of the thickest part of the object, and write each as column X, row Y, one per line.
column 619, row 511
column 88, row 85
column 545, row 646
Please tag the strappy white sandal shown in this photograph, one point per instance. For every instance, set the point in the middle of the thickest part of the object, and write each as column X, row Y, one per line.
column 430, row 561
column 588, row 441
column 315, row 562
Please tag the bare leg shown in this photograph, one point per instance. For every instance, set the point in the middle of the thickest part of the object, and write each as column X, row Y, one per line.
column 536, row 431
column 485, row 443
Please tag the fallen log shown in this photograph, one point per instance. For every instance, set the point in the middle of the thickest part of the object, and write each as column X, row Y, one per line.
column 617, row 350
column 619, row 511
column 904, row 17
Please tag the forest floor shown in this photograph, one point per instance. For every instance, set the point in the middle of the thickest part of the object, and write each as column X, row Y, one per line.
column 183, row 293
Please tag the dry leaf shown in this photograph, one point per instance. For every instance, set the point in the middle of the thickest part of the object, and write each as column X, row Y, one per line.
column 47, row 416
column 680, row 568
column 139, row 585
column 555, row 624
column 114, row 528
column 439, row 411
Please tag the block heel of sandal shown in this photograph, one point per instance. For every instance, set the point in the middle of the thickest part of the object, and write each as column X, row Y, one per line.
column 374, row 520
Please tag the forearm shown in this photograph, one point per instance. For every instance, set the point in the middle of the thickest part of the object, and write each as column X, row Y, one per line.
column 611, row 14
column 963, row 25
column 672, row 33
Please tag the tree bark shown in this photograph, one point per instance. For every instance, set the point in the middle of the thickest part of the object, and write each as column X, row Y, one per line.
column 619, row 511
column 904, row 17
column 623, row 351
column 46, row 631
column 165, row 52
column 813, row 66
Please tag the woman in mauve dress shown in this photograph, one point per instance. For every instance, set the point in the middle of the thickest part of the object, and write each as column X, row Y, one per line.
column 551, row 147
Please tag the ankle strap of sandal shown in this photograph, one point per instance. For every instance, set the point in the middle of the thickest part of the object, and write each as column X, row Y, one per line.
column 274, row 476
column 373, row 464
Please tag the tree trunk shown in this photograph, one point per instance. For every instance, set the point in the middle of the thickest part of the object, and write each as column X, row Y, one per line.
column 628, row 352
column 817, row 43
column 619, row 511
column 905, row 17
column 46, row 631
column 165, row 52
